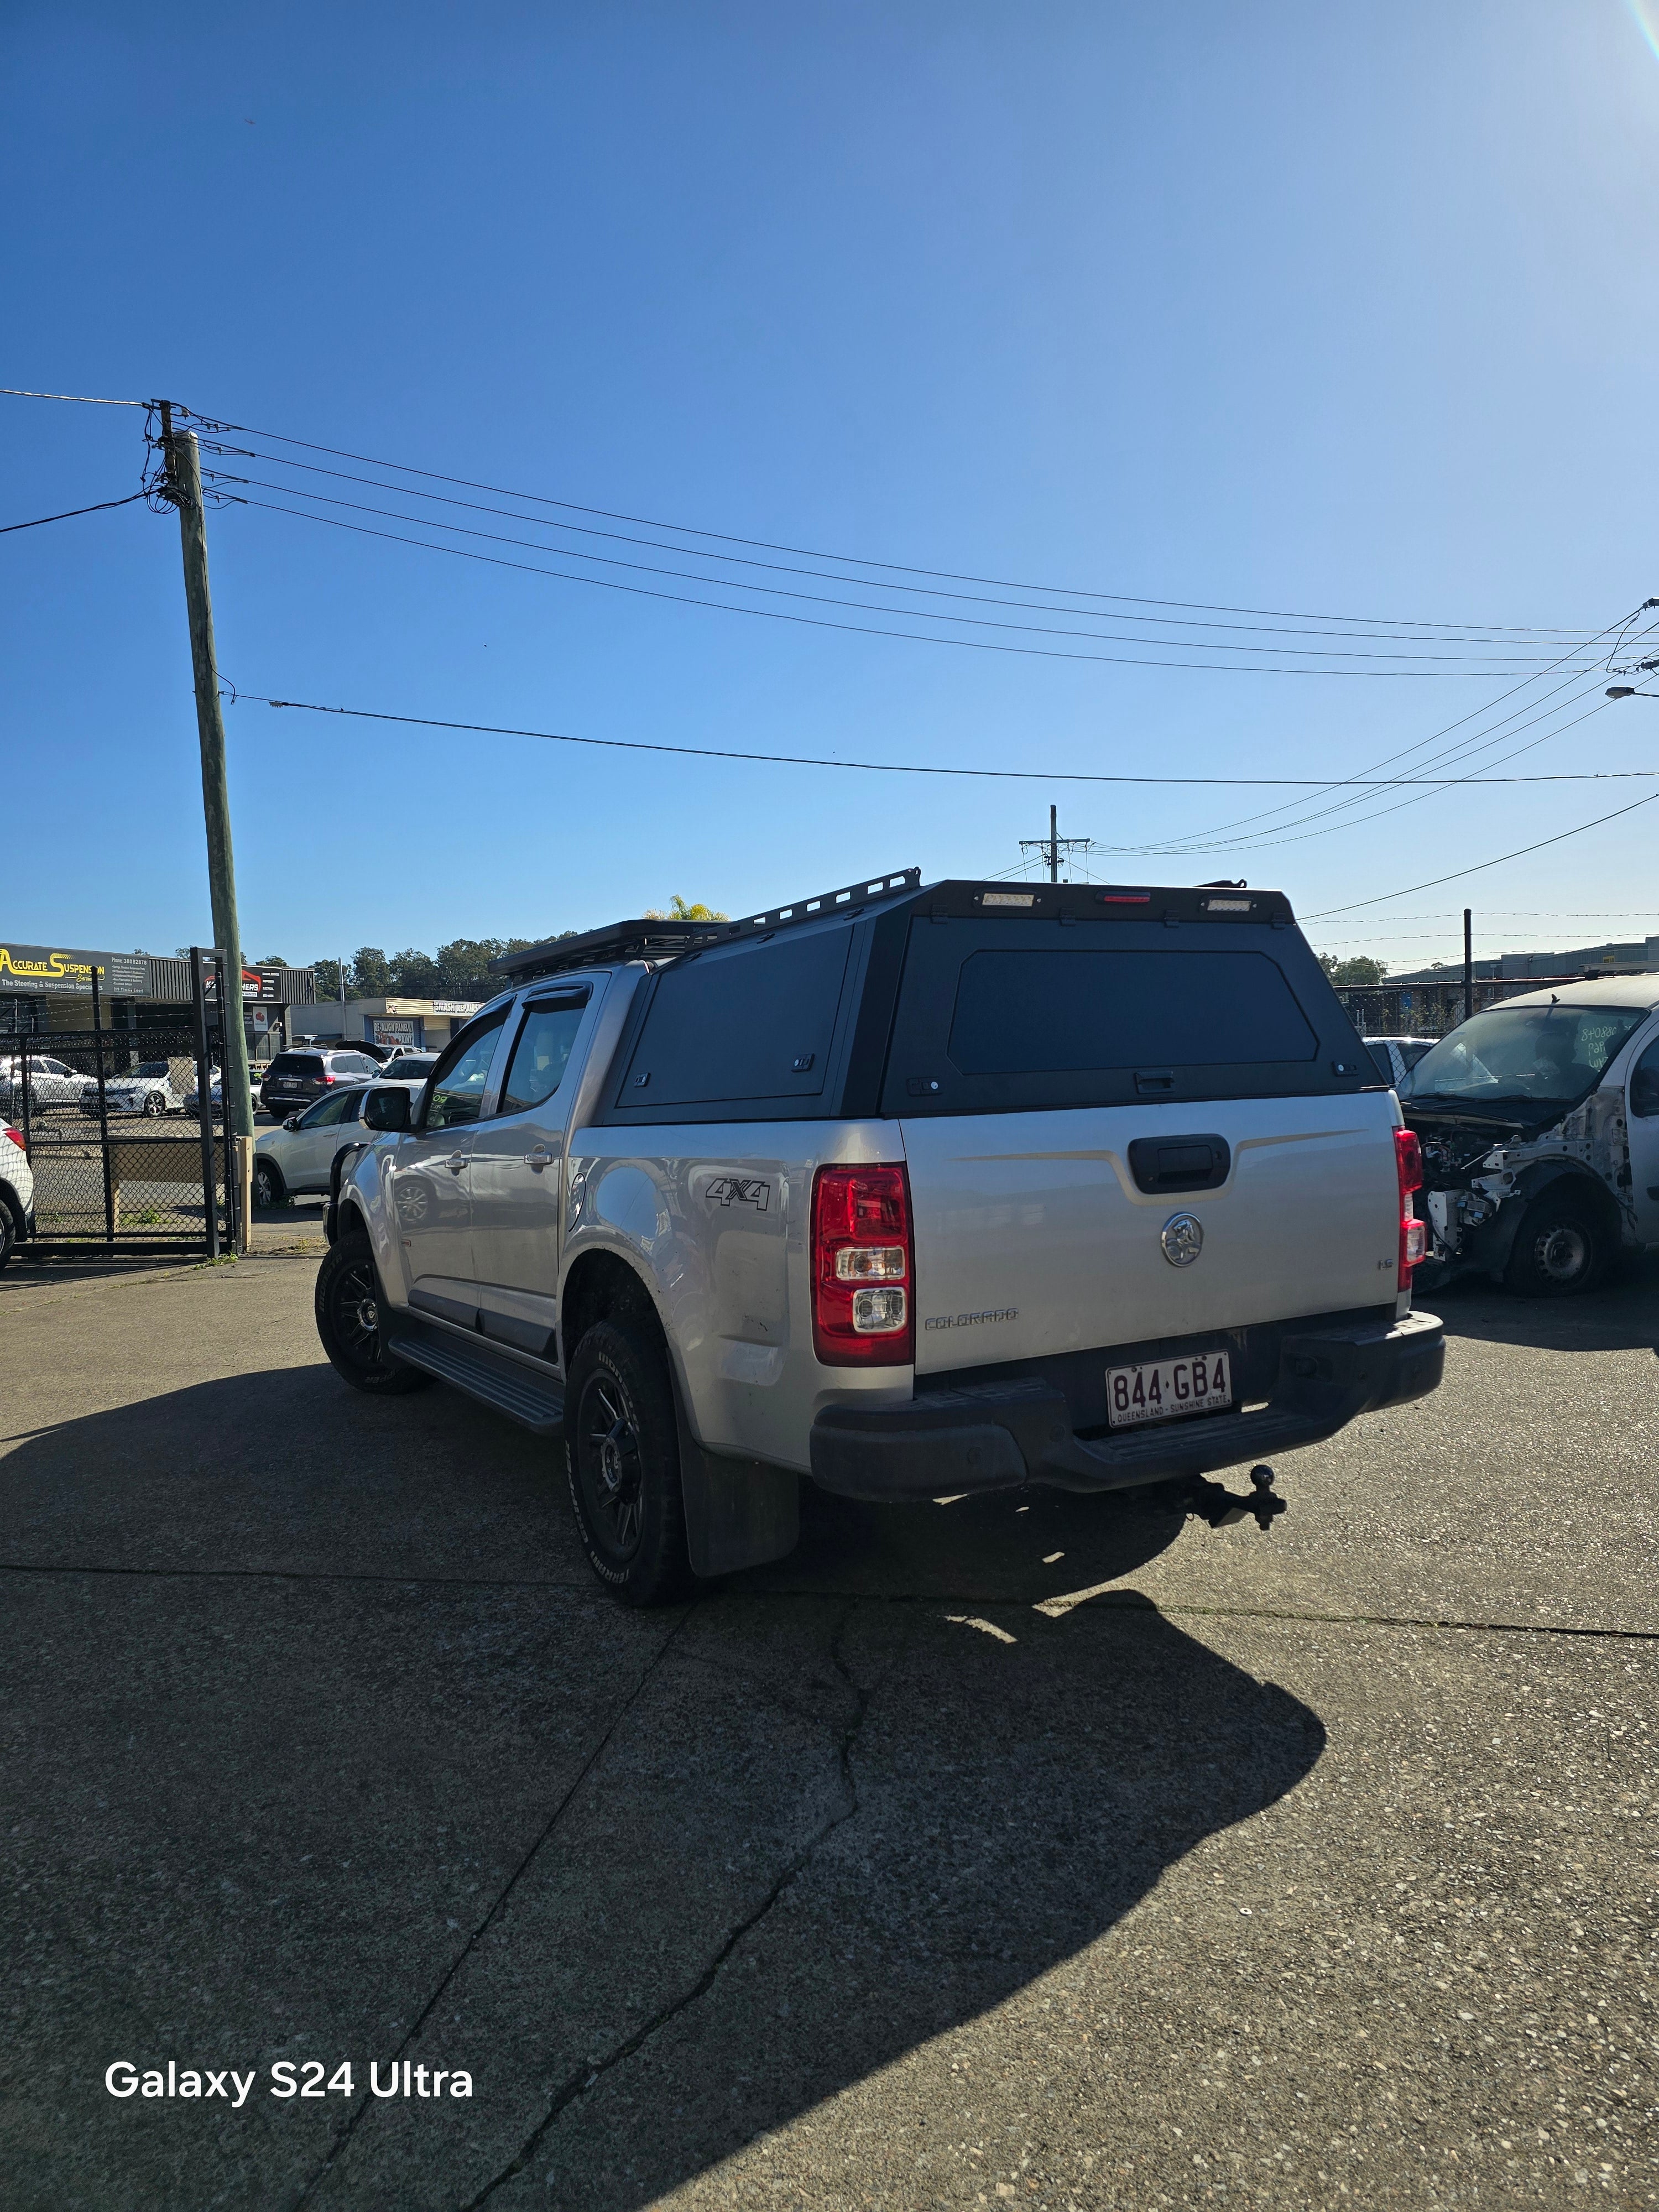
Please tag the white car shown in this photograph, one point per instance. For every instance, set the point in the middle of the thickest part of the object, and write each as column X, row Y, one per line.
column 16, row 1193
column 51, row 1082
column 297, row 1159
column 147, row 1089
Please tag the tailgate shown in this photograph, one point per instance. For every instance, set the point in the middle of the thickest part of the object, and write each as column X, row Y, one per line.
column 1034, row 1235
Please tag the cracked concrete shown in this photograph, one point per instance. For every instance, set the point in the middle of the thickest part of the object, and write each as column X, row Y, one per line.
column 1043, row 1852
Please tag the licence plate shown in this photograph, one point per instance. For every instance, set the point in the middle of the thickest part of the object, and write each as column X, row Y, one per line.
column 1164, row 1390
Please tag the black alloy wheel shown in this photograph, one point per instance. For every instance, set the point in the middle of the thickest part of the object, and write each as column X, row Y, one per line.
column 347, row 1308
column 623, row 1452
column 1561, row 1250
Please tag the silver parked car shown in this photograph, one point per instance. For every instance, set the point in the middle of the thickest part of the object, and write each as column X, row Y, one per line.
column 51, row 1082
column 147, row 1089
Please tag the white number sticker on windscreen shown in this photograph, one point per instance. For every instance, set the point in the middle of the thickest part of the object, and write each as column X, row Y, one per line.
column 1163, row 1390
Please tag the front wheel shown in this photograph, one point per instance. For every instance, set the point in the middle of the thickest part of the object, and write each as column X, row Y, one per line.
column 267, row 1185
column 155, row 1103
column 348, row 1305
column 622, row 1451
column 1561, row 1250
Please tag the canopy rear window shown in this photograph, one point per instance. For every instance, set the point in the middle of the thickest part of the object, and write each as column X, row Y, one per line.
column 998, row 1016
column 1019, row 1012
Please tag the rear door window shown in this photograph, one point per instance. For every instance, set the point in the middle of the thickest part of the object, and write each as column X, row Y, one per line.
column 542, row 1052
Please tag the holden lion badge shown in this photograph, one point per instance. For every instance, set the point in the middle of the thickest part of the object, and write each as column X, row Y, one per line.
column 1182, row 1239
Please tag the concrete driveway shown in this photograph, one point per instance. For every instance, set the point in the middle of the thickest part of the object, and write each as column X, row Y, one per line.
column 1051, row 1853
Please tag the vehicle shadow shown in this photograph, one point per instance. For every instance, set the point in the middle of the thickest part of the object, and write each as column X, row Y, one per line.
column 662, row 1882
column 1622, row 1315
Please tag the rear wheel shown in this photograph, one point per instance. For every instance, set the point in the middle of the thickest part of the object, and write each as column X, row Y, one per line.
column 7, row 1234
column 1561, row 1250
column 622, row 1451
column 347, row 1305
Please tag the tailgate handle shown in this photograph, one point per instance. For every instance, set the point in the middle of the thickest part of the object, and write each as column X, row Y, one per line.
column 1151, row 1081
column 1170, row 1163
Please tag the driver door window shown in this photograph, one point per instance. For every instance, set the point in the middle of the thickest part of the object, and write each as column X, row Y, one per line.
column 1644, row 1083
column 456, row 1096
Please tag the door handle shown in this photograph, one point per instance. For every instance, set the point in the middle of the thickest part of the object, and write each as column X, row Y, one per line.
column 541, row 1157
column 455, row 1162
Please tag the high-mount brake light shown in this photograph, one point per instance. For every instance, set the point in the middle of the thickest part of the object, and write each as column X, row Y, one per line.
column 1414, row 1233
column 863, row 1267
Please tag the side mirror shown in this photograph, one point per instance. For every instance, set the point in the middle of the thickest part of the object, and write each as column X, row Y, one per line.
column 292, row 1122
column 386, row 1110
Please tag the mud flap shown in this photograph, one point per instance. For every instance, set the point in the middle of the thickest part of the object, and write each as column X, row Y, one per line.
column 739, row 1512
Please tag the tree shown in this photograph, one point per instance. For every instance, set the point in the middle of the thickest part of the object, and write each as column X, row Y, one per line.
column 369, row 975
column 415, row 974
column 327, row 977
column 274, row 960
column 679, row 911
column 1359, row 972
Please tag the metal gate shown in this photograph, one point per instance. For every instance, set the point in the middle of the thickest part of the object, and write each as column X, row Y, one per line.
column 125, row 1130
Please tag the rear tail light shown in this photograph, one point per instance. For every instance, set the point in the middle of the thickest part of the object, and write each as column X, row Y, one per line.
column 16, row 1136
column 1414, row 1233
column 863, row 1267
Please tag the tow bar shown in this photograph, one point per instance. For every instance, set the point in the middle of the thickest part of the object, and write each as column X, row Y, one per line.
column 1224, row 1508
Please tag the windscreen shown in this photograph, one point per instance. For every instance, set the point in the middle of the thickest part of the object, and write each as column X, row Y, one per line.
column 1550, row 1054
column 1046, row 1010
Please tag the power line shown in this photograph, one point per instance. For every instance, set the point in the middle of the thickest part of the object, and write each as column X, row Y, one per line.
column 863, row 767
column 69, row 513
column 821, row 621
column 1457, row 873
column 1486, row 660
column 778, row 567
column 897, row 568
column 1214, row 839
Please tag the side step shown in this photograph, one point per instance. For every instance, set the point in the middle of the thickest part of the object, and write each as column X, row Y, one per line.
column 494, row 1378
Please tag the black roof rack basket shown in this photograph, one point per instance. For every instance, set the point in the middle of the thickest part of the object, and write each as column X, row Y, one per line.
column 658, row 938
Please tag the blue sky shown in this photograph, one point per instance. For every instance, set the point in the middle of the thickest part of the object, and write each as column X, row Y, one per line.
column 1350, row 310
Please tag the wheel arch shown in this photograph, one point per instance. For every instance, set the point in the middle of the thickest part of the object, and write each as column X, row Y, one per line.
column 1497, row 1246
column 602, row 1285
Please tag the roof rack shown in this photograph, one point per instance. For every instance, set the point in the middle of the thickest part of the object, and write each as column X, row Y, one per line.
column 656, row 938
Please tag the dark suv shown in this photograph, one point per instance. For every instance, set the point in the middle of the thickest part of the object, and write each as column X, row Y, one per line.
column 296, row 1078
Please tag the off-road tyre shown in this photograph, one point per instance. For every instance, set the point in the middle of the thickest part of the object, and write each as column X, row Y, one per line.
column 622, row 1453
column 269, row 1189
column 347, row 1305
column 1561, row 1248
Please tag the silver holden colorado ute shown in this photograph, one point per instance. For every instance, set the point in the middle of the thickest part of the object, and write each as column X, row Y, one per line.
column 909, row 1191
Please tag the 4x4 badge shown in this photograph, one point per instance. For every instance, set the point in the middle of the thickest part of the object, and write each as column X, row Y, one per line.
column 746, row 1190
column 1182, row 1239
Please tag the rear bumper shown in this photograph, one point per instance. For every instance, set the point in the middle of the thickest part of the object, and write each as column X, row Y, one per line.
column 998, row 1436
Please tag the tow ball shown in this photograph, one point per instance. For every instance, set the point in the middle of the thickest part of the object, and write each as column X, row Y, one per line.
column 1223, row 1508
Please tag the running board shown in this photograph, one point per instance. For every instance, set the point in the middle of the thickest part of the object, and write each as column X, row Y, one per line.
column 494, row 1378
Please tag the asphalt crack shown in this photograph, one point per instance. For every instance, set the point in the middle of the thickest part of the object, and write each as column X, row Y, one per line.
column 500, row 1901
column 587, row 2075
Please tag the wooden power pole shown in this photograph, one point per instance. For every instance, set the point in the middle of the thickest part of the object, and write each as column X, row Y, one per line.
column 184, row 487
